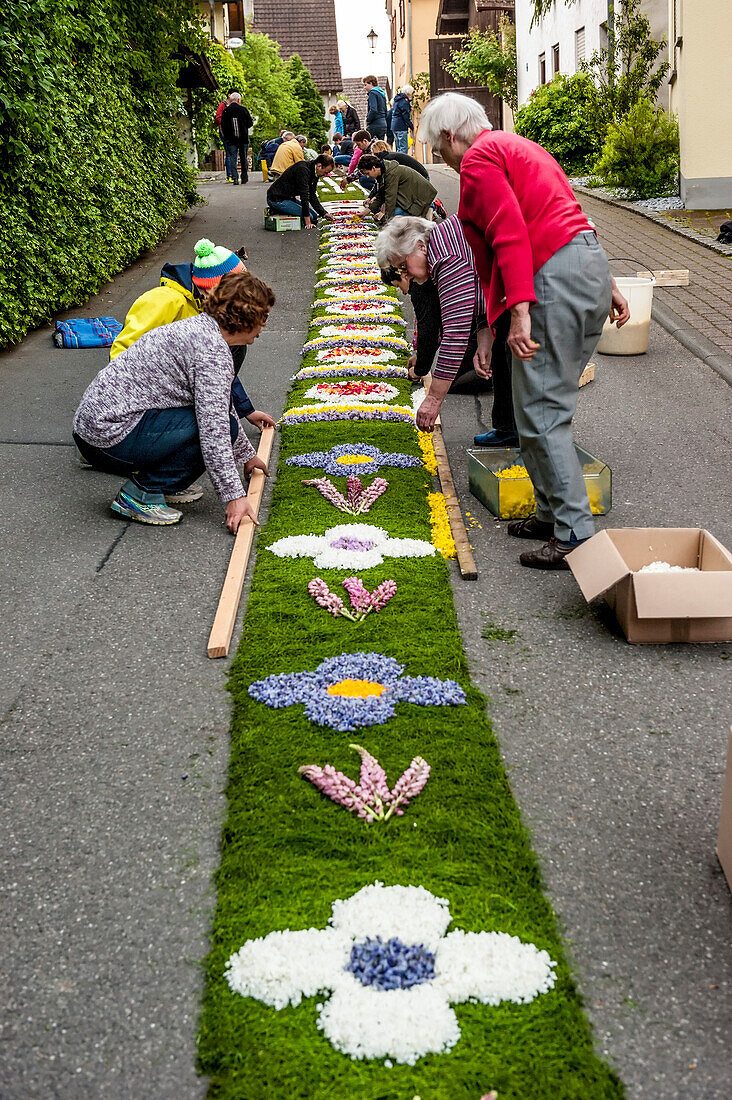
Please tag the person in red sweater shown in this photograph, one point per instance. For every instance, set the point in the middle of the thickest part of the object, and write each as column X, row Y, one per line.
column 538, row 256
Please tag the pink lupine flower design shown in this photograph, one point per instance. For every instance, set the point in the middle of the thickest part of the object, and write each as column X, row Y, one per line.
column 362, row 601
column 370, row 798
column 357, row 499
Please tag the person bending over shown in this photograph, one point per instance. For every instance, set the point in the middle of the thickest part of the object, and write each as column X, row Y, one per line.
column 162, row 409
column 290, row 152
column 399, row 190
column 537, row 256
column 296, row 191
column 182, row 290
column 449, row 303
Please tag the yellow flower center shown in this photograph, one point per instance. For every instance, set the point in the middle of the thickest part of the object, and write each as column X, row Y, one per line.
column 351, row 460
column 356, row 689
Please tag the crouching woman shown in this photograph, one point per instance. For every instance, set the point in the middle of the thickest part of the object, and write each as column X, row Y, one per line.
column 160, row 413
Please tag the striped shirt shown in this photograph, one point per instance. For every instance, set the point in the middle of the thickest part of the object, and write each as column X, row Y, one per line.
column 452, row 269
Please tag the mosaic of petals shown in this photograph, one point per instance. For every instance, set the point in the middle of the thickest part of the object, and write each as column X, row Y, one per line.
column 353, row 458
column 355, row 690
column 350, row 546
column 308, row 414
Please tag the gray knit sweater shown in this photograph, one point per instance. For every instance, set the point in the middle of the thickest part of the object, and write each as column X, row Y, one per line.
column 186, row 364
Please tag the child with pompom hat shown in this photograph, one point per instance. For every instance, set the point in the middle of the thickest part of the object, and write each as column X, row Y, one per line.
column 212, row 262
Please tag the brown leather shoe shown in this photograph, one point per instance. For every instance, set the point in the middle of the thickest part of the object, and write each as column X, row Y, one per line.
column 531, row 528
column 551, row 556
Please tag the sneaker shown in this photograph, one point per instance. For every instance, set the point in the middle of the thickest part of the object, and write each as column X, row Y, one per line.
column 185, row 496
column 229, row 179
column 157, row 514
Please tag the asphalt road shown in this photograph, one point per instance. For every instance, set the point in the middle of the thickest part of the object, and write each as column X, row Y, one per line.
column 114, row 723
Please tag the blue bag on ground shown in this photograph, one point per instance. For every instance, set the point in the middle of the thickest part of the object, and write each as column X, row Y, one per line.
column 87, row 332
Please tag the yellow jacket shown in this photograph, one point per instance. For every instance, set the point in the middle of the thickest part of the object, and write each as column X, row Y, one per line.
column 289, row 153
column 171, row 301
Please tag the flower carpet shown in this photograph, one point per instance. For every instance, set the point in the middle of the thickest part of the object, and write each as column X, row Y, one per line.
column 361, row 952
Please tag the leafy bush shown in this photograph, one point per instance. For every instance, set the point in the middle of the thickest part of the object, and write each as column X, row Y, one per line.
column 93, row 171
column 557, row 117
column 312, row 110
column 641, row 152
column 488, row 58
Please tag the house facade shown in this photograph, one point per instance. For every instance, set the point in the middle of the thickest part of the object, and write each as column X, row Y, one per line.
column 307, row 28
column 700, row 86
column 424, row 34
column 568, row 35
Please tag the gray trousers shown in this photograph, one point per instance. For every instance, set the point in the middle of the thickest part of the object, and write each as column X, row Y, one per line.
column 573, row 294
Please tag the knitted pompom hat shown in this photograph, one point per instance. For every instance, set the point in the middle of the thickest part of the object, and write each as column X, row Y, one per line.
column 212, row 262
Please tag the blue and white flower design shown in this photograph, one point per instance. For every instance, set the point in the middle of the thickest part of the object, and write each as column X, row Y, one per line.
column 391, row 971
column 355, row 690
column 347, row 459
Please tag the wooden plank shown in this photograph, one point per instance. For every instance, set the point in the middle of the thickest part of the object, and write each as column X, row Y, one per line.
column 465, row 559
column 223, row 625
column 587, row 374
column 672, row 277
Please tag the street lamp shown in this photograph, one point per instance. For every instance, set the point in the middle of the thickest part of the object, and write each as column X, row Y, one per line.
column 372, row 36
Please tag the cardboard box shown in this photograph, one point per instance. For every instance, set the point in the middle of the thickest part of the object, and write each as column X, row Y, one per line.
column 659, row 607
column 513, row 498
column 724, row 840
column 279, row 223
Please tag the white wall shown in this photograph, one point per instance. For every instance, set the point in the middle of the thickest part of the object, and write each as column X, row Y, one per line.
column 559, row 26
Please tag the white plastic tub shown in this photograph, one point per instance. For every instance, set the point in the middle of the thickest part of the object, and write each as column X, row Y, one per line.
column 632, row 338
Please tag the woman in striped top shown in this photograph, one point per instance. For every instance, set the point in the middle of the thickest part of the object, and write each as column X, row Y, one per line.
column 423, row 250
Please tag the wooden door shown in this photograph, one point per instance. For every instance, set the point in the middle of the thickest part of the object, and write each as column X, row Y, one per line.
column 441, row 81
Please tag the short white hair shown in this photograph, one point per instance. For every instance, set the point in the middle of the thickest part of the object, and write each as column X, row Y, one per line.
column 452, row 113
column 287, row 135
column 407, row 89
column 301, row 138
column 400, row 239
column 342, row 103
column 236, row 96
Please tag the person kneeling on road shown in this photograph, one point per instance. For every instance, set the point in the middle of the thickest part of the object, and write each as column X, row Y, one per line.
column 295, row 192
column 162, row 409
column 399, row 190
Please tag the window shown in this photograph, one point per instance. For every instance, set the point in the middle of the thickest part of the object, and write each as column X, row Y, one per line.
column 579, row 47
column 236, row 19
column 603, row 36
column 542, row 68
column 393, row 33
column 555, row 58
column 402, row 18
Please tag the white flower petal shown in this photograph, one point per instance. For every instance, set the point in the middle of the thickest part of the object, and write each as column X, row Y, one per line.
column 363, row 531
column 297, row 546
column 283, row 967
column 491, row 967
column 408, row 548
column 329, row 558
column 409, row 912
column 403, row 1024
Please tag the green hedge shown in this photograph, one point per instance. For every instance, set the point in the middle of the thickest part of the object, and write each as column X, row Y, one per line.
column 93, row 171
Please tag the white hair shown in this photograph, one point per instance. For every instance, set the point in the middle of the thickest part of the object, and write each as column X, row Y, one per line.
column 400, row 239
column 236, row 96
column 407, row 89
column 301, row 138
column 342, row 103
column 452, row 113
column 287, row 135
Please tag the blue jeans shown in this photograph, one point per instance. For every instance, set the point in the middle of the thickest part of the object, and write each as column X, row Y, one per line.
column 342, row 159
column 401, row 141
column 292, row 209
column 399, row 212
column 232, row 150
column 162, row 454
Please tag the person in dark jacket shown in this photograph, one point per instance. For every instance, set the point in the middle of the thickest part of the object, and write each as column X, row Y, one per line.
column 351, row 121
column 342, row 149
column 401, row 118
column 236, row 122
column 377, row 108
column 295, row 191
column 400, row 190
column 381, row 150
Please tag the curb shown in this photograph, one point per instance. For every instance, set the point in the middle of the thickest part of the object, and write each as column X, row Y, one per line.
column 652, row 216
column 701, row 346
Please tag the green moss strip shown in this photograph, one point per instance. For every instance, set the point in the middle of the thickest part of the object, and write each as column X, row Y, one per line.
column 288, row 852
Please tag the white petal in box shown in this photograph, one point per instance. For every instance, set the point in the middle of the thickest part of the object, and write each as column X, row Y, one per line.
column 659, row 606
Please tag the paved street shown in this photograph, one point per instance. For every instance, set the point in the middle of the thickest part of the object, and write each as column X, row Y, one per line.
column 115, row 724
